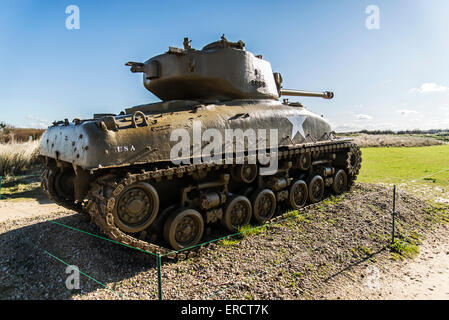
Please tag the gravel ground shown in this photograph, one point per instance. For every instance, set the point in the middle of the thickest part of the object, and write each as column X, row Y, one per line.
column 291, row 259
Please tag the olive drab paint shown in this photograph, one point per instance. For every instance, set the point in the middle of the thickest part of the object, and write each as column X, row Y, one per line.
column 218, row 147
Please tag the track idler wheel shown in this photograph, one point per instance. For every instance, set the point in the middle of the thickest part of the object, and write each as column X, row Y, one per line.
column 136, row 207
column 316, row 189
column 298, row 194
column 184, row 228
column 340, row 183
column 264, row 205
column 237, row 212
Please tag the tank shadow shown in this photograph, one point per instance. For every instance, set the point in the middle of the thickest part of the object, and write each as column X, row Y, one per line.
column 34, row 258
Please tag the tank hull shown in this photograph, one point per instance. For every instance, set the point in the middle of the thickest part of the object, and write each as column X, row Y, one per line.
column 90, row 146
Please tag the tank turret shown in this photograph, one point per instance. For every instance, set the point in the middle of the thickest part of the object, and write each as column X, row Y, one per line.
column 221, row 70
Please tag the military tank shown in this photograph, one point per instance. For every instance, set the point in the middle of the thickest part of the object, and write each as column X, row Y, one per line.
column 218, row 150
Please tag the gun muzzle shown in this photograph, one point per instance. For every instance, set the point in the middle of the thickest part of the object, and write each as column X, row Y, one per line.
column 301, row 93
column 136, row 66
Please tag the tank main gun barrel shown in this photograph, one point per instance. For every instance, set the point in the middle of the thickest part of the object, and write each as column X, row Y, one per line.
column 301, row 93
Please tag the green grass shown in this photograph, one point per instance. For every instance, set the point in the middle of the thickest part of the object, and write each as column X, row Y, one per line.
column 228, row 242
column 19, row 189
column 404, row 247
column 398, row 165
column 437, row 213
column 362, row 251
column 248, row 230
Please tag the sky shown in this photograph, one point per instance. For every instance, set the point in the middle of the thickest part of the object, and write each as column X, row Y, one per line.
column 393, row 77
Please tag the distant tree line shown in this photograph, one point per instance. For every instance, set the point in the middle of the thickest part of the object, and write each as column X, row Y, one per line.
column 10, row 133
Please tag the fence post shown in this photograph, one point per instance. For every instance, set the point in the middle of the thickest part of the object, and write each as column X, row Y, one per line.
column 393, row 213
column 159, row 276
column 1, row 187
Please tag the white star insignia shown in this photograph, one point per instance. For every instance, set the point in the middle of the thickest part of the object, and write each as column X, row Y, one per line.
column 297, row 122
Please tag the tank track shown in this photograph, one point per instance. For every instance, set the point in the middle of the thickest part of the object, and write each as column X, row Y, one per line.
column 105, row 190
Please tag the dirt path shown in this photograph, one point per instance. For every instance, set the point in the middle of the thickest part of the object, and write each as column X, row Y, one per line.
column 425, row 277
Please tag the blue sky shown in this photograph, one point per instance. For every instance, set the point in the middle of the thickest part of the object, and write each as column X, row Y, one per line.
column 394, row 77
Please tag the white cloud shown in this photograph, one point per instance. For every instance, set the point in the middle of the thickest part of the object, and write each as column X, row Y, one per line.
column 35, row 122
column 364, row 117
column 429, row 87
column 406, row 112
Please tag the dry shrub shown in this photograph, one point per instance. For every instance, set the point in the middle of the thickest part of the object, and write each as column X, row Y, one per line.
column 24, row 134
column 384, row 140
column 10, row 134
column 17, row 157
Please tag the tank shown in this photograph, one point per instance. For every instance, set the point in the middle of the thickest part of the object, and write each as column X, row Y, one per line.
column 220, row 150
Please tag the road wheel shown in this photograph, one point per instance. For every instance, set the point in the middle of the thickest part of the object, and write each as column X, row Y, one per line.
column 237, row 212
column 316, row 189
column 340, row 183
column 264, row 205
column 298, row 194
column 156, row 229
column 136, row 207
column 184, row 228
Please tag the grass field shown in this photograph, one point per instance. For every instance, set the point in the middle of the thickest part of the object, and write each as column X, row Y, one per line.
column 400, row 165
